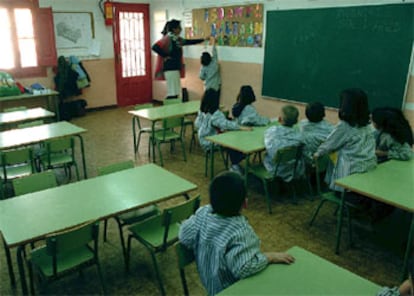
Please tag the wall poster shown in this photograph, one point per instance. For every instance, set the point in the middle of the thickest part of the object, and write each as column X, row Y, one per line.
column 240, row 25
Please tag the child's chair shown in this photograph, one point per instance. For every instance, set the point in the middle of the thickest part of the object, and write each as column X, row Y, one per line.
column 130, row 217
column 185, row 257
column 283, row 156
column 157, row 233
column 321, row 165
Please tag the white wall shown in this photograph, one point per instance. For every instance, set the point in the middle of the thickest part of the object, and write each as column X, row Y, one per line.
column 102, row 33
column 175, row 10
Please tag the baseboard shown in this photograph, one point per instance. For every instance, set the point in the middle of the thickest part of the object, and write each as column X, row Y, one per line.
column 101, row 108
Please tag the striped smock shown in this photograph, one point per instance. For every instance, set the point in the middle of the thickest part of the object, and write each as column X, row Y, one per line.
column 226, row 248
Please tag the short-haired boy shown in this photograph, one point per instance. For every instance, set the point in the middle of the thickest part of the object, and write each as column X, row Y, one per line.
column 282, row 136
column 225, row 246
column 314, row 129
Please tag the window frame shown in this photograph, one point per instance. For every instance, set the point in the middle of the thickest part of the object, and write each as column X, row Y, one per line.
column 43, row 35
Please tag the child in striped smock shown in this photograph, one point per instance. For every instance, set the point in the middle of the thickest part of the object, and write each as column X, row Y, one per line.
column 352, row 139
column 211, row 120
column 244, row 112
column 393, row 135
column 225, row 246
column 282, row 136
column 314, row 129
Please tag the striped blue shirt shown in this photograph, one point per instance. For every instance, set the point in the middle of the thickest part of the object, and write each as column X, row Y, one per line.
column 208, row 125
column 250, row 117
column 226, row 248
column 278, row 137
column 314, row 133
column 356, row 152
column 211, row 73
column 395, row 149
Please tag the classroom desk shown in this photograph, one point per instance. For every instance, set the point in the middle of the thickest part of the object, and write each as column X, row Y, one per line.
column 7, row 118
column 155, row 114
column 31, row 217
column 51, row 98
column 32, row 135
column 247, row 142
column 309, row 275
column 391, row 183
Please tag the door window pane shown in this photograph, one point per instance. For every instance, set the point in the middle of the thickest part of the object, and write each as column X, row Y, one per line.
column 132, row 44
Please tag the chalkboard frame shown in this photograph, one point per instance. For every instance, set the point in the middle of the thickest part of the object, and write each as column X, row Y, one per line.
column 284, row 78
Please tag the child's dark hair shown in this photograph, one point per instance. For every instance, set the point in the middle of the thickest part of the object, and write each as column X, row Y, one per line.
column 173, row 24
column 205, row 58
column 353, row 107
column 315, row 111
column 392, row 121
column 246, row 95
column 290, row 115
column 227, row 194
column 210, row 101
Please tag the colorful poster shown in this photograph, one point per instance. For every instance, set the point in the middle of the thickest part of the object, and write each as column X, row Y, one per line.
column 240, row 25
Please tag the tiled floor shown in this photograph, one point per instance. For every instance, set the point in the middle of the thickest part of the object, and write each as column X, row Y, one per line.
column 375, row 255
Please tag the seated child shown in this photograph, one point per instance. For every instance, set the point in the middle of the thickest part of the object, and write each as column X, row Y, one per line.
column 394, row 137
column 244, row 112
column 210, row 121
column 282, row 136
column 351, row 138
column 314, row 129
column 225, row 246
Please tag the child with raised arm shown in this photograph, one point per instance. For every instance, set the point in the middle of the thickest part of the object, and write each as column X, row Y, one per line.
column 225, row 246
column 244, row 112
column 210, row 70
column 351, row 139
column 282, row 136
column 393, row 135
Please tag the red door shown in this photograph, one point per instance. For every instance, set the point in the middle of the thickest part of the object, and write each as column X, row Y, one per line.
column 132, row 53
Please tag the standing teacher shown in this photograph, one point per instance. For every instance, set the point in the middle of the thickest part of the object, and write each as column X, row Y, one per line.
column 170, row 63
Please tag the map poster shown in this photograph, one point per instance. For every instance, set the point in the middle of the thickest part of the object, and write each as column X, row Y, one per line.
column 73, row 29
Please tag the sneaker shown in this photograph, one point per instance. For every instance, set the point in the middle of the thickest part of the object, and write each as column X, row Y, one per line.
column 236, row 169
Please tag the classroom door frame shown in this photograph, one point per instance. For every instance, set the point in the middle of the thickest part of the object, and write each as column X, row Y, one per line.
column 132, row 53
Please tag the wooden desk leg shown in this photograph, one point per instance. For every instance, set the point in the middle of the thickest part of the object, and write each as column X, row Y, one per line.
column 20, row 263
column 339, row 223
column 83, row 156
column 9, row 265
column 408, row 248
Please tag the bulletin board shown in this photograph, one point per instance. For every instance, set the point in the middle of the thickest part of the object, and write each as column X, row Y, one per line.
column 239, row 25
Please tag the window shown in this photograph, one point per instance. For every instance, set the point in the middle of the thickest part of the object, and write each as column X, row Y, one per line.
column 27, row 38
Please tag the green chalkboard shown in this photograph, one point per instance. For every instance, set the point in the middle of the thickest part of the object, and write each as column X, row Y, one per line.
column 313, row 54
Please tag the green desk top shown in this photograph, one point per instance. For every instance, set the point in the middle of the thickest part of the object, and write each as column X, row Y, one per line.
column 391, row 182
column 244, row 141
column 35, row 134
column 50, row 93
column 32, row 216
column 23, row 115
column 166, row 111
column 309, row 275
